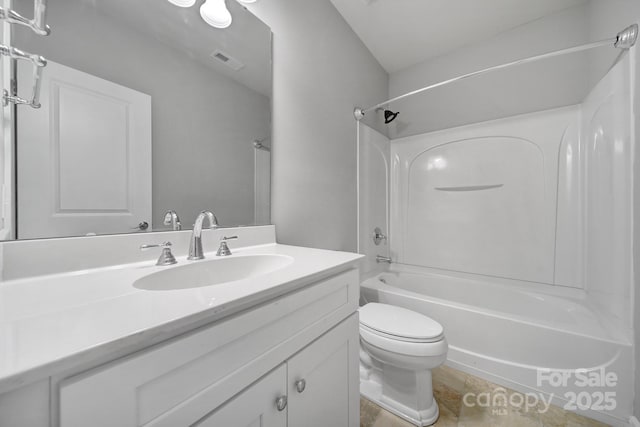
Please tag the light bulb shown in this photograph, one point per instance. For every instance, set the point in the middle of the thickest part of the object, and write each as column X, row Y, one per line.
column 183, row 3
column 215, row 13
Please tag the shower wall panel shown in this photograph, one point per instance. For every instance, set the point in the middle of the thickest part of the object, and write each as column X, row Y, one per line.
column 373, row 194
column 483, row 198
column 544, row 197
column 608, row 163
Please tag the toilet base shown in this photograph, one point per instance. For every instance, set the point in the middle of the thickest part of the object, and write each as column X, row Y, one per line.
column 406, row 388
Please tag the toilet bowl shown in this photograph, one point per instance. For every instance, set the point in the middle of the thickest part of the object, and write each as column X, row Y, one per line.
column 398, row 350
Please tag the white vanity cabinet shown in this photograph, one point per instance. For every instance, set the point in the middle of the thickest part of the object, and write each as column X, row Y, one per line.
column 300, row 348
column 319, row 384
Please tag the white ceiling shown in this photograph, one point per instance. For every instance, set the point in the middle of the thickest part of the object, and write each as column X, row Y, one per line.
column 401, row 33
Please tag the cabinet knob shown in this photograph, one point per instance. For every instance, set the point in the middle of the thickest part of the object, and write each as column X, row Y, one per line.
column 300, row 385
column 281, row 403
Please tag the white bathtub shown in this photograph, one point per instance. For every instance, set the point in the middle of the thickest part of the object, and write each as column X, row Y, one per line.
column 507, row 333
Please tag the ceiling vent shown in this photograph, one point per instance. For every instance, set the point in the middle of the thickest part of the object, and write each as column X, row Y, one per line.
column 227, row 60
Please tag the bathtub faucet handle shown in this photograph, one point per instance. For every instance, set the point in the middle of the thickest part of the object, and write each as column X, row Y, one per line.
column 380, row 258
column 378, row 237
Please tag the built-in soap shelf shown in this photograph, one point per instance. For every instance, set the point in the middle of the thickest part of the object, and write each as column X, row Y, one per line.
column 470, row 187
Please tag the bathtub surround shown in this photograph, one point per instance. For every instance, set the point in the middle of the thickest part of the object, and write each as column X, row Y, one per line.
column 446, row 186
column 373, row 196
column 321, row 72
column 605, row 16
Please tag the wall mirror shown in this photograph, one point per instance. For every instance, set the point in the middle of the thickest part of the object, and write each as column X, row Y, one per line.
column 145, row 108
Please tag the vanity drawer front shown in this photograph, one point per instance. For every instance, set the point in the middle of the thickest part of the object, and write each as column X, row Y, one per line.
column 179, row 382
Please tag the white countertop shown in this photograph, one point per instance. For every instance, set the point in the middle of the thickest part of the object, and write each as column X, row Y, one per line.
column 51, row 324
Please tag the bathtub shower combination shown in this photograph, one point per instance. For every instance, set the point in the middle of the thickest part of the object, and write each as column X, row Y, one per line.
column 515, row 235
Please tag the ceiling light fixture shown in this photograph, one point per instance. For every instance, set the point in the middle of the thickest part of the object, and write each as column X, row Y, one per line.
column 183, row 3
column 215, row 13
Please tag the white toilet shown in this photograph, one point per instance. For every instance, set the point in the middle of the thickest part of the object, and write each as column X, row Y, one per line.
column 398, row 350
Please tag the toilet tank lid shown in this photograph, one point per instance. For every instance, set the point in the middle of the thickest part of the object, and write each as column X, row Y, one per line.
column 399, row 321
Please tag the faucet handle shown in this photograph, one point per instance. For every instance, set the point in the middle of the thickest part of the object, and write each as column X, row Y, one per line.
column 166, row 257
column 162, row 245
column 224, row 250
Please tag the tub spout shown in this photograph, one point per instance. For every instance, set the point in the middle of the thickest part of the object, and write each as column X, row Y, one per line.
column 380, row 258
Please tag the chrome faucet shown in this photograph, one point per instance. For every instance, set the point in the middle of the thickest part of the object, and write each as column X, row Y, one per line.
column 380, row 258
column 195, row 247
column 171, row 218
column 166, row 257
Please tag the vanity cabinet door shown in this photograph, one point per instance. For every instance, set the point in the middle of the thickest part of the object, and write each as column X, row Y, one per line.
column 324, row 380
column 263, row 404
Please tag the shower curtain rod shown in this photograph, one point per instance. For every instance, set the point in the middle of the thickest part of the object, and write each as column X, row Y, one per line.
column 625, row 39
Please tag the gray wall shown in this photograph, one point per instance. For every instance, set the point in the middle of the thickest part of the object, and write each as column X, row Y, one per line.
column 517, row 90
column 203, row 122
column 321, row 71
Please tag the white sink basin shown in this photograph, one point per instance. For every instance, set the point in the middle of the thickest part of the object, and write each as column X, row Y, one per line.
column 209, row 272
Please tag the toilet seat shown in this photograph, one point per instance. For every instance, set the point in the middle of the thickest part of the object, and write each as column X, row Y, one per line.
column 397, row 323
column 402, row 338
column 401, row 331
column 406, row 348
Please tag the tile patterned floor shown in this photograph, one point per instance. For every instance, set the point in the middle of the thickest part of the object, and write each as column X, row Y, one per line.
column 449, row 387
